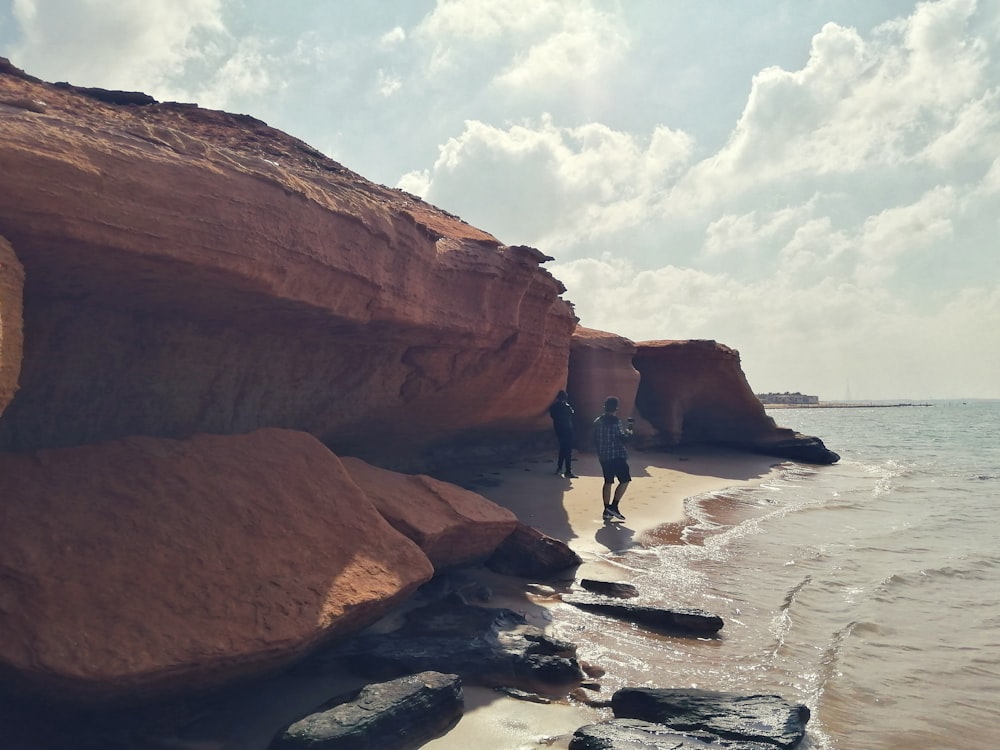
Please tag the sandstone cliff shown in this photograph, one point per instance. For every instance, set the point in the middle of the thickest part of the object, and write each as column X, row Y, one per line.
column 194, row 271
column 680, row 393
column 600, row 365
column 696, row 392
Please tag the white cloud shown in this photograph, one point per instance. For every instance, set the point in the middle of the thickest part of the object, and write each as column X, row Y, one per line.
column 246, row 72
column 747, row 232
column 544, row 45
column 387, row 83
column 416, row 182
column 893, row 233
column 973, row 134
column 554, row 185
column 883, row 103
column 129, row 44
column 477, row 20
column 587, row 44
column 393, row 37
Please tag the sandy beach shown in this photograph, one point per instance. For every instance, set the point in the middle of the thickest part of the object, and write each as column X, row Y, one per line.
column 570, row 510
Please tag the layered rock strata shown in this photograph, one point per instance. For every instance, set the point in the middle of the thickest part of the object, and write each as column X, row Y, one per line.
column 195, row 271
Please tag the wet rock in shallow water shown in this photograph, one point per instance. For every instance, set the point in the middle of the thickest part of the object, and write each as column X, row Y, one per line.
column 767, row 719
column 617, row 589
column 632, row 734
column 396, row 715
column 524, row 695
column 679, row 621
column 490, row 647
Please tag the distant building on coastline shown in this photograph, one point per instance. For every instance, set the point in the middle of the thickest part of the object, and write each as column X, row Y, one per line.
column 787, row 398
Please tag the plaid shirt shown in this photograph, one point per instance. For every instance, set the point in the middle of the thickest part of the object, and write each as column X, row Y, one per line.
column 609, row 438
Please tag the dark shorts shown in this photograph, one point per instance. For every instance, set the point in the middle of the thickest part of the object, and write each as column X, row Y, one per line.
column 616, row 468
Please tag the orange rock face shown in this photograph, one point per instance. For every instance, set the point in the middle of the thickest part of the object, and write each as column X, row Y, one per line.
column 11, row 289
column 600, row 365
column 148, row 564
column 194, row 271
column 452, row 526
column 695, row 391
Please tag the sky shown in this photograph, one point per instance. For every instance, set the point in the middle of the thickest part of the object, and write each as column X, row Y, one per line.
column 815, row 184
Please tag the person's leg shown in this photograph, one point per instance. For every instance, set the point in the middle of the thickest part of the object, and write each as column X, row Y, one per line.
column 569, row 456
column 609, row 477
column 566, row 452
column 624, row 476
column 619, row 491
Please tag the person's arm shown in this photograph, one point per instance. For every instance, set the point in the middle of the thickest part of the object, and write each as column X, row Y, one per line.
column 624, row 433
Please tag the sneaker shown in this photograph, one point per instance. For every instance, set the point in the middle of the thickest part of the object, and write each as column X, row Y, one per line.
column 570, row 475
column 616, row 513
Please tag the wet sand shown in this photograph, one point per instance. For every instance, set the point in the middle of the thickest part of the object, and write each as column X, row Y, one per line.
column 570, row 510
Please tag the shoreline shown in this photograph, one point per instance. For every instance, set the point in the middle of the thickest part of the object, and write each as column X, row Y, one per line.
column 570, row 510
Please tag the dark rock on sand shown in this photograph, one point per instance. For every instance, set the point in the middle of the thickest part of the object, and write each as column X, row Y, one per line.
column 618, row 589
column 528, row 553
column 489, row 647
column 768, row 720
column 679, row 621
column 632, row 734
column 398, row 715
column 797, row 447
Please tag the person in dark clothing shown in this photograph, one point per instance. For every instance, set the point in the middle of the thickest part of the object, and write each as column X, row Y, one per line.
column 562, row 422
column 609, row 439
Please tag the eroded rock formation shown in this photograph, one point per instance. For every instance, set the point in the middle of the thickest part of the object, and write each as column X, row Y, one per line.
column 194, row 271
column 600, row 365
column 151, row 564
column 696, row 392
column 680, row 392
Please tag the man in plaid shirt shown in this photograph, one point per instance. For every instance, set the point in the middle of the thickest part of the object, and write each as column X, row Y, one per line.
column 609, row 439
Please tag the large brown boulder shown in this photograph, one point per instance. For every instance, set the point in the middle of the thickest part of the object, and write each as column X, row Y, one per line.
column 452, row 526
column 195, row 271
column 143, row 565
column 11, row 291
column 696, row 392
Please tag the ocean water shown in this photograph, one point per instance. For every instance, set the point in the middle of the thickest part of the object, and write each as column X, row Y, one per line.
column 868, row 590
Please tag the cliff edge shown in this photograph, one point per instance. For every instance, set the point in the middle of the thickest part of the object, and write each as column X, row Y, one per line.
column 188, row 270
